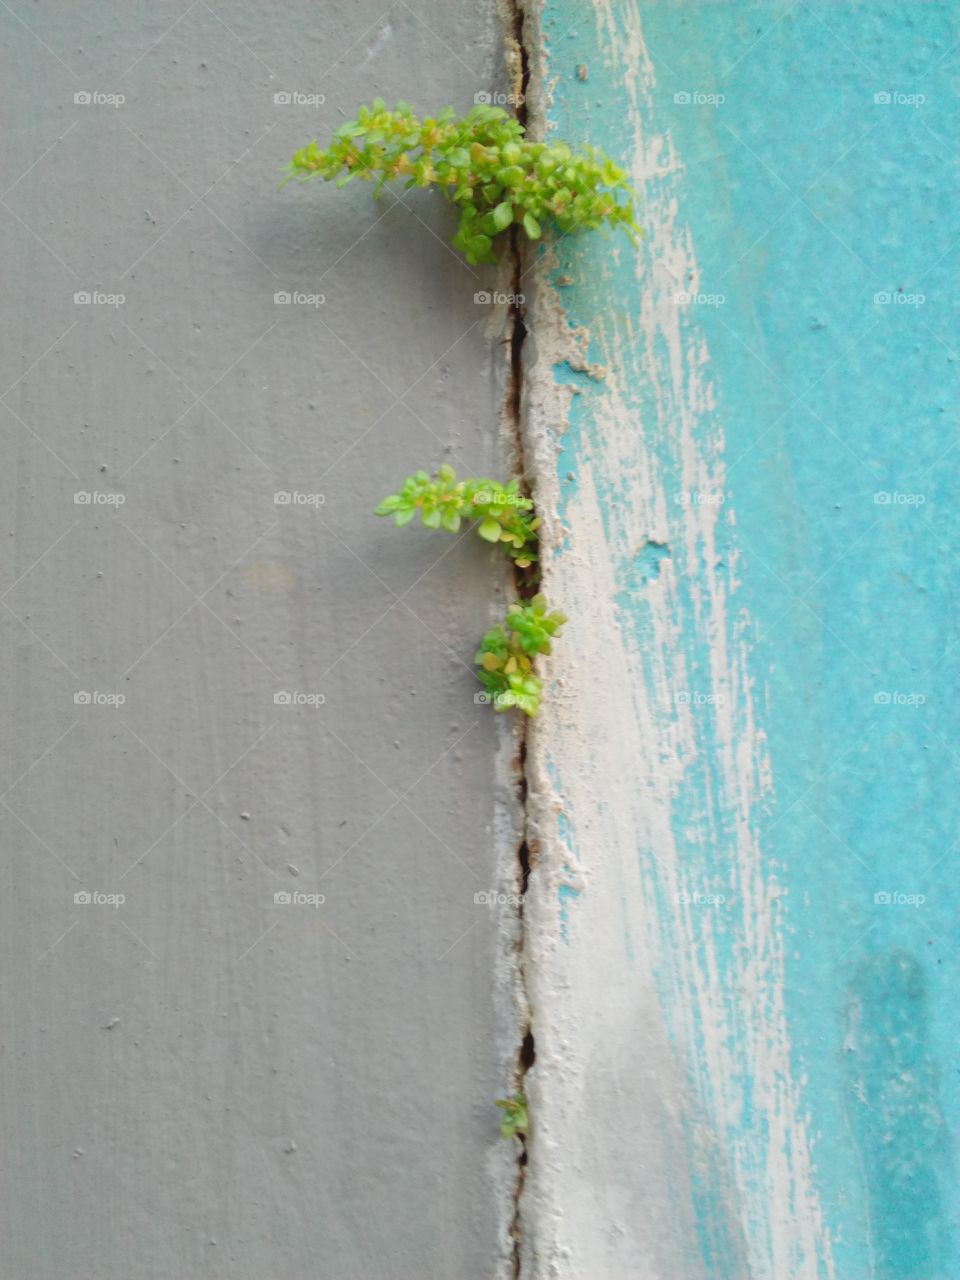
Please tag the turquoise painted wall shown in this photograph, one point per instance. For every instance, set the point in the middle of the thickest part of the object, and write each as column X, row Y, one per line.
column 814, row 169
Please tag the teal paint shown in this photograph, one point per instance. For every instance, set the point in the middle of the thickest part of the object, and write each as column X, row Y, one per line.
column 893, row 1103
column 565, row 894
column 827, row 394
column 567, row 891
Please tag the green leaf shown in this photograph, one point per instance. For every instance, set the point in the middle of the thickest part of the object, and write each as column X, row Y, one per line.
column 481, row 245
column 503, row 215
column 431, row 518
column 511, row 175
column 515, row 1118
column 403, row 516
column 477, row 160
column 489, row 530
column 532, row 227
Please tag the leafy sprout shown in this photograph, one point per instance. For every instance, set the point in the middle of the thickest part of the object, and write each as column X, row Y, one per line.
column 484, row 164
column 514, row 1119
column 445, row 502
column 505, row 656
column 503, row 515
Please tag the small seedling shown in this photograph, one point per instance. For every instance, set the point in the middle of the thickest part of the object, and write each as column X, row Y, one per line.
column 505, row 655
column 485, row 166
column 445, row 502
column 514, row 1120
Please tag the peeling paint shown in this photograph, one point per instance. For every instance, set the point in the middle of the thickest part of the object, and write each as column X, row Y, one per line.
column 690, row 994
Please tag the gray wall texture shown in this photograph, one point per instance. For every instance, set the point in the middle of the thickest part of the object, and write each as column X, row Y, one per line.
column 198, row 1080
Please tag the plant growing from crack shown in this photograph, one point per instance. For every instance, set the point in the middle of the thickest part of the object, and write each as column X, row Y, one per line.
column 445, row 502
column 506, row 653
column 484, row 164
column 514, row 1120
column 498, row 179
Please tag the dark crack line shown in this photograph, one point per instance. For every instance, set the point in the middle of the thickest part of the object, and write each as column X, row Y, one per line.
column 526, row 584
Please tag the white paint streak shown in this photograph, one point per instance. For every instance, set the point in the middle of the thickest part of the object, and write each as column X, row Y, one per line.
column 619, row 1074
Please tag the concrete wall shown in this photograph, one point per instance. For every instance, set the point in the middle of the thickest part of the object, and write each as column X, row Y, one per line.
column 739, row 943
column 200, row 1082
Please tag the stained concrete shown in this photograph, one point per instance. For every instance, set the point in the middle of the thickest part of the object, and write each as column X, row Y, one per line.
column 198, row 1080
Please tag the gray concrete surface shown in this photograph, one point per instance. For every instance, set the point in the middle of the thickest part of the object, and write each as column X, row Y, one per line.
column 200, row 1081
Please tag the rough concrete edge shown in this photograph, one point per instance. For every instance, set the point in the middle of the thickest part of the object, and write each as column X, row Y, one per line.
column 516, row 835
column 541, row 412
column 546, row 1251
column 505, row 330
column 534, row 409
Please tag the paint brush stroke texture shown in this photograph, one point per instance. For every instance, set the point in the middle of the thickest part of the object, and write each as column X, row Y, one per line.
column 742, row 1009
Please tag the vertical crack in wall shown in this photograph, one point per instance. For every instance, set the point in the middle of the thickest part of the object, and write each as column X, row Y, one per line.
column 526, row 585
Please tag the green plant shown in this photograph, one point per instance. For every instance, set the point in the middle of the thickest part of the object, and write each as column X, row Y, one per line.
column 445, row 502
column 514, row 1119
column 506, row 652
column 485, row 166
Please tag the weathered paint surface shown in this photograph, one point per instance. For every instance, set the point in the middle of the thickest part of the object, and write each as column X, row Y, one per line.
column 743, row 942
